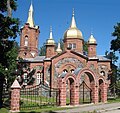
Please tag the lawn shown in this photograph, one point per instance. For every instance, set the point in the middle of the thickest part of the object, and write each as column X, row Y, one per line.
column 51, row 108
column 3, row 110
column 114, row 100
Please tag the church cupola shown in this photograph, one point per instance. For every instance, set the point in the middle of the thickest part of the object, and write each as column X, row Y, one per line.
column 92, row 46
column 29, row 37
column 73, row 37
column 58, row 50
column 50, row 41
column 50, row 45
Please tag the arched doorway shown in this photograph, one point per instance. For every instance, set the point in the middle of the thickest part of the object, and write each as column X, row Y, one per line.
column 87, row 86
column 102, row 91
column 69, row 90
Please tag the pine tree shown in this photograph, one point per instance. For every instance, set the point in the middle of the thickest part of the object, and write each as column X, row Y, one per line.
column 9, row 27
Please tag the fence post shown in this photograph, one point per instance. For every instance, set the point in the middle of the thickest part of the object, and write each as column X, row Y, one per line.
column 15, row 97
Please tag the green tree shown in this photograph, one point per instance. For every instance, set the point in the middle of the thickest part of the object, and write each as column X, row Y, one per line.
column 115, row 43
column 111, row 55
column 8, row 32
column 42, row 50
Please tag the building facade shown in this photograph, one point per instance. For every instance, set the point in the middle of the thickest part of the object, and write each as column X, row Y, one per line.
column 75, row 74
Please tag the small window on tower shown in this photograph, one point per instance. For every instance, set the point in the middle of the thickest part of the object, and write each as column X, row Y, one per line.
column 26, row 41
column 74, row 46
column 70, row 45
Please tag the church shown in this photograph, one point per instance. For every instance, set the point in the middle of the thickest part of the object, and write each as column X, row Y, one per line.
column 70, row 70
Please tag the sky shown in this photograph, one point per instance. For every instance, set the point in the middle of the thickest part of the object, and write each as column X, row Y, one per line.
column 92, row 16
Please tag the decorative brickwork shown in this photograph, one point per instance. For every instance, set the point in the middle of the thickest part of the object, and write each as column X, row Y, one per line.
column 15, row 97
column 78, row 75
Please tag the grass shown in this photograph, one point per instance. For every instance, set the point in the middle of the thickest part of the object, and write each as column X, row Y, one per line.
column 113, row 100
column 45, row 109
column 3, row 110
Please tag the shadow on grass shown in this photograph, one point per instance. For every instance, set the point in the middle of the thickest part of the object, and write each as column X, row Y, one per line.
column 39, row 112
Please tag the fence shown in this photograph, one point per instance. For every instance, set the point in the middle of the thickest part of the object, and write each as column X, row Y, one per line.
column 38, row 96
column 113, row 91
column 6, row 96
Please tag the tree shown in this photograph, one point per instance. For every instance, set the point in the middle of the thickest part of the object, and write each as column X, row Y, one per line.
column 115, row 43
column 9, row 27
column 111, row 55
column 42, row 50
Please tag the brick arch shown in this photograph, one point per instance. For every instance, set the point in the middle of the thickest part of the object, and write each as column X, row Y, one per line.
column 89, row 72
column 69, row 90
column 69, row 75
column 93, row 83
column 102, row 90
column 101, row 78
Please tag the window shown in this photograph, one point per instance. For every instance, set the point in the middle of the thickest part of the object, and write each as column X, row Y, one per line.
column 65, row 71
column 72, row 70
column 39, row 78
column 26, row 41
column 25, row 78
column 72, row 46
column 102, row 73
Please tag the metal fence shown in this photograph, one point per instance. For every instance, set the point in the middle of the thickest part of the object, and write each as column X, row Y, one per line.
column 6, row 96
column 84, row 93
column 113, row 91
column 38, row 96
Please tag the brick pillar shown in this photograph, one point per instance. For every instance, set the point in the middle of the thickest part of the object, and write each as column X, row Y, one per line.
column 94, row 95
column 62, row 94
column 104, row 93
column 15, row 97
column 74, row 94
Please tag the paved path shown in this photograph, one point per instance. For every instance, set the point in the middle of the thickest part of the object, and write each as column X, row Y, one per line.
column 99, row 108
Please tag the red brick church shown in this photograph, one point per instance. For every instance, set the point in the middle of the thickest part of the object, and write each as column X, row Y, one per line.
column 69, row 70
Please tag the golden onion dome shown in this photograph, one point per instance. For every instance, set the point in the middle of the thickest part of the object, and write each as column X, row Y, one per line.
column 92, row 40
column 50, row 41
column 73, row 31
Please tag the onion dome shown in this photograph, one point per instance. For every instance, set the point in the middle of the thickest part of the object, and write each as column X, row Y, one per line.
column 59, row 50
column 92, row 40
column 50, row 41
column 73, row 31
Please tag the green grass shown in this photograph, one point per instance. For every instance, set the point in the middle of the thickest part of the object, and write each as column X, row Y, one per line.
column 113, row 100
column 3, row 110
column 45, row 109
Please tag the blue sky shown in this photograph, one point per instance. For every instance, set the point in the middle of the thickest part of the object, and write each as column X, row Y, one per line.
column 96, row 16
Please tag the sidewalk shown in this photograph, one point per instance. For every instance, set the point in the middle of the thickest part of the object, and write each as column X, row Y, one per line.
column 99, row 108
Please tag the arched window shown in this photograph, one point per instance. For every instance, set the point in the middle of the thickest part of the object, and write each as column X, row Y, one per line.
column 25, row 78
column 72, row 70
column 102, row 73
column 39, row 78
column 65, row 71
column 26, row 41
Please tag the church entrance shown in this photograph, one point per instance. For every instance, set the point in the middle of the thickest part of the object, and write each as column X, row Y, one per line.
column 84, row 93
column 69, row 91
column 87, row 87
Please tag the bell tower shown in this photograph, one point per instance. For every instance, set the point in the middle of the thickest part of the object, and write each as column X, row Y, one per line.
column 50, row 45
column 92, row 46
column 29, row 37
